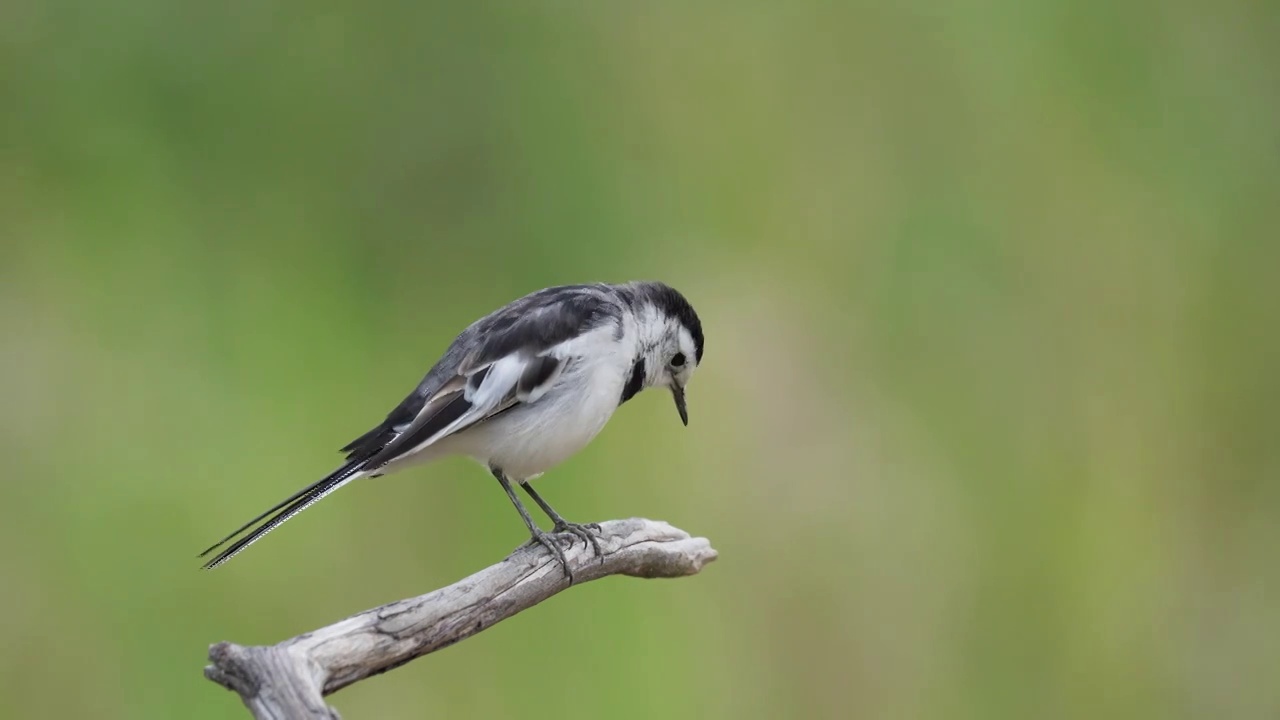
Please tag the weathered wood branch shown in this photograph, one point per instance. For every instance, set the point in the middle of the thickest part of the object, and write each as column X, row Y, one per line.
column 289, row 679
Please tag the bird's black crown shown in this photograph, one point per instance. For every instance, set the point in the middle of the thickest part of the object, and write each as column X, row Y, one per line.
column 670, row 301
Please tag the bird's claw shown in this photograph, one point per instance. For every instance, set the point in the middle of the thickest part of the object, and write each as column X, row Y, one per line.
column 588, row 532
column 549, row 541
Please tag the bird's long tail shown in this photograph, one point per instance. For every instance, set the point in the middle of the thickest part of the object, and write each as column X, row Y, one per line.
column 284, row 510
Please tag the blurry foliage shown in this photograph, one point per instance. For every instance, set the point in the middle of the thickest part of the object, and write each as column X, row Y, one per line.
column 987, row 425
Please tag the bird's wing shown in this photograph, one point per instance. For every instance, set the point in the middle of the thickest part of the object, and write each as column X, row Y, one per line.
column 473, row 398
column 506, row 358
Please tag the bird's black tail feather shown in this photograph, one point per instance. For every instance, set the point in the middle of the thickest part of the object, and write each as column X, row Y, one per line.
column 290, row 506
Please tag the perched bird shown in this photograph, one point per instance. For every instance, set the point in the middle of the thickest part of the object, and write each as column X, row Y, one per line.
column 521, row 390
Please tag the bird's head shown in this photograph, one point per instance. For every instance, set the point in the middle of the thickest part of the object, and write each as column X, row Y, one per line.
column 671, row 343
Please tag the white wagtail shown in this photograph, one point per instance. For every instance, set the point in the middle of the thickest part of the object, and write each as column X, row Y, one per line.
column 521, row 390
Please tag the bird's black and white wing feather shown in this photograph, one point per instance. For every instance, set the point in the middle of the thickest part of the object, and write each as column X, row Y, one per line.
column 502, row 360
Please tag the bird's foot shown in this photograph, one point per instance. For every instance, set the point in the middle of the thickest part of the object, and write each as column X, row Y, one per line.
column 550, row 542
column 588, row 532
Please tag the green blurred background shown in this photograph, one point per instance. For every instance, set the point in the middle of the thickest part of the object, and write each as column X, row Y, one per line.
column 987, row 426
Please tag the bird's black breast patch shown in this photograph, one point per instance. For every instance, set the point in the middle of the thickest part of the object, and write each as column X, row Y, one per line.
column 635, row 382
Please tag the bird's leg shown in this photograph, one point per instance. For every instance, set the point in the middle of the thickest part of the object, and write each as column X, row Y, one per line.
column 537, row 535
column 562, row 525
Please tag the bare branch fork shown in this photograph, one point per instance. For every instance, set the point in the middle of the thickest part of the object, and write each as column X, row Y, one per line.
column 290, row 678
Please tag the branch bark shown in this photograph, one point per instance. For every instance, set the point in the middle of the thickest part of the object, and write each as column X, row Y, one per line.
column 289, row 679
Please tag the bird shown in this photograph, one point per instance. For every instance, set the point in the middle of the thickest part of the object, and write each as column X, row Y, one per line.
column 521, row 390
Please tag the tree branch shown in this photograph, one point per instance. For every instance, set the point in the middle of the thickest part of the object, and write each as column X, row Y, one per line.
column 289, row 679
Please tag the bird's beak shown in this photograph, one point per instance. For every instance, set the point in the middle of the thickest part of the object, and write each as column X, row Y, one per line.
column 678, row 393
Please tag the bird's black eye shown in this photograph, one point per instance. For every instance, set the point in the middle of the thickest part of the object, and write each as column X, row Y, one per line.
column 677, row 360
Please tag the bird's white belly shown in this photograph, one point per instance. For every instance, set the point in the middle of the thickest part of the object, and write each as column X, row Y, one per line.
column 531, row 439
